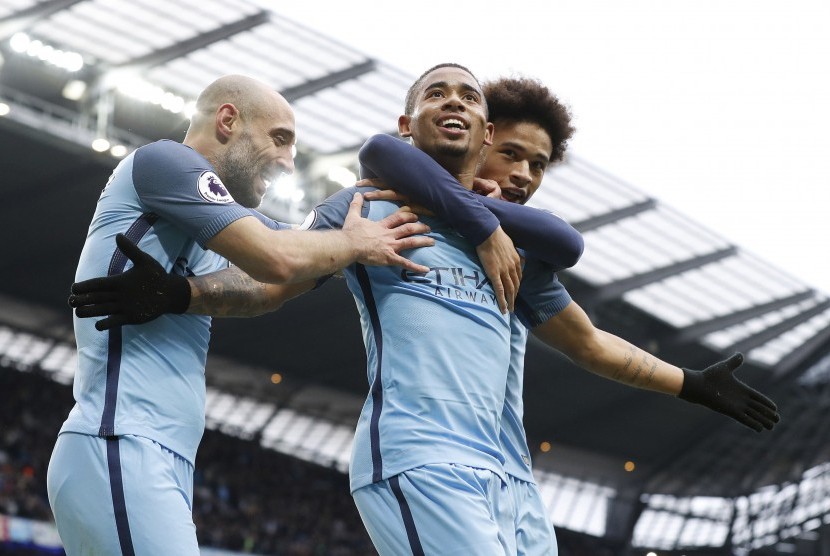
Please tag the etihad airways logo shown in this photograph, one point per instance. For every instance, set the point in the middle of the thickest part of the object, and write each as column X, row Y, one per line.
column 455, row 283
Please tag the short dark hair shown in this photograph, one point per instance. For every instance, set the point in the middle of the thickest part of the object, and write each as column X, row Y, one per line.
column 409, row 104
column 522, row 99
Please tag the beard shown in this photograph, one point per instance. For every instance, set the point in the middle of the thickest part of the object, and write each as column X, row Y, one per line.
column 454, row 149
column 238, row 169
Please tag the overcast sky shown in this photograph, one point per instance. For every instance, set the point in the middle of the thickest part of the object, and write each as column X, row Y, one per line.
column 718, row 108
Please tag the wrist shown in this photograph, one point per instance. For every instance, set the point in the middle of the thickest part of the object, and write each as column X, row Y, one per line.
column 354, row 246
column 693, row 387
column 180, row 294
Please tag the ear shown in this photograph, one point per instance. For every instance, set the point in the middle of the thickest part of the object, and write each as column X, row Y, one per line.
column 403, row 126
column 227, row 116
column 489, row 129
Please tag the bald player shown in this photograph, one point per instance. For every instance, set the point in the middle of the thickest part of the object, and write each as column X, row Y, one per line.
column 120, row 480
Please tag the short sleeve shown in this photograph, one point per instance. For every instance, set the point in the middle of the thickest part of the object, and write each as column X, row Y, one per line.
column 541, row 294
column 178, row 184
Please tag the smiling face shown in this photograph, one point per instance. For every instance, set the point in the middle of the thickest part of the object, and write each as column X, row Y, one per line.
column 260, row 151
column 517, row 159
column 449, row 119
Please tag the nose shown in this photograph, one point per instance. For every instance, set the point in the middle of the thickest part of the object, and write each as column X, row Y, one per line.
column 520, row 174
column 285, row 164
column 453, row 100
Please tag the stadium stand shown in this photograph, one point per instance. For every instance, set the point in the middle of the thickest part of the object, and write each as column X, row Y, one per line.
column 701, row 485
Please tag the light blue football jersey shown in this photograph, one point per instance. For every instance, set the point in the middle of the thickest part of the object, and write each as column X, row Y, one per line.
column 438, row 350
column 148, row 380
column 541, row 296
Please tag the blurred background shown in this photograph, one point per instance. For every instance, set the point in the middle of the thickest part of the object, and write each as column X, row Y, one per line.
column 697, row 176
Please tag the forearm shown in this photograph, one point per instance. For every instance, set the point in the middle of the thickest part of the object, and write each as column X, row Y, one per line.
column 614, row 358
column 285, row 256
column 542, row 234
column 413, row 173
column 572, row 333
column 232, row 293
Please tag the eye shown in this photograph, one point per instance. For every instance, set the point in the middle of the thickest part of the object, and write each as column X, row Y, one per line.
column 435, row 94
column 539, row 166
column 509, row 153
column 472, row 97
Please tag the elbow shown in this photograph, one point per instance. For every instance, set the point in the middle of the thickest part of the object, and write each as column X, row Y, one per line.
column 571, row 250
column 270, row 275
column 275, row 269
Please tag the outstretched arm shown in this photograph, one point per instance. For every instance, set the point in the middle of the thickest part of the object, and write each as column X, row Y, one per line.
column 607, row 355
column 416, row 175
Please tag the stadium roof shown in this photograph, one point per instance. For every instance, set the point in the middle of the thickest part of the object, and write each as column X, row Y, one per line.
column 117, row 73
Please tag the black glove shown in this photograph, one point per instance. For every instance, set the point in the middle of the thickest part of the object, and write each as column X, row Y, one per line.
column 717, row 388
column 137, row 296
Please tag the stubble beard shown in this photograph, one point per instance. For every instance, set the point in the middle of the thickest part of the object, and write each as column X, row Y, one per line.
column 238, row 169
column 452, row 155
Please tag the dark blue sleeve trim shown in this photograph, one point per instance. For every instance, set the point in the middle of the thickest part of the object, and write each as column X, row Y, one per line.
column 532, row 317
column 270, row 222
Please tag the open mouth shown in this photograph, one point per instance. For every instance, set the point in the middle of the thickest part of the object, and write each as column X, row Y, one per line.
column 513, row 195
column 269, row 178
column 453, row 124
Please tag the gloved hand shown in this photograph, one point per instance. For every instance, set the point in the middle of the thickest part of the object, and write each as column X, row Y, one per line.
column 717, row 388
column 136, row 296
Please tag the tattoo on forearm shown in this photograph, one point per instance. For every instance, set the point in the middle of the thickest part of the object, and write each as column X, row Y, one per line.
column 228, row 294
column 621, row 373
column 650, row 377
column 637, row 371
column 631, row 371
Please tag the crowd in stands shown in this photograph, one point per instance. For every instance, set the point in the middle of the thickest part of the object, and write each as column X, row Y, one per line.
column 246, row 498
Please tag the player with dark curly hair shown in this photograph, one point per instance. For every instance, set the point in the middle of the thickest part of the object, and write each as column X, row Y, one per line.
column 523, row 99
column 532, row 128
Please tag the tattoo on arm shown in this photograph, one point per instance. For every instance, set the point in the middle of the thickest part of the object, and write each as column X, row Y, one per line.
column 637, row 371
column 629, row 373
column 230, row 293
column 620, row 374
column 647, row 380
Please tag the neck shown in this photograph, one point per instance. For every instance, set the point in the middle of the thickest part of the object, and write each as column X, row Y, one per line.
column 462, row 168
column 200, row 145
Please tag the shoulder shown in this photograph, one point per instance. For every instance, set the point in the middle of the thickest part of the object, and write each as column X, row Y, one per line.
column 169, row 158
column 167, row 165
column 170, row 152
column 331, row 212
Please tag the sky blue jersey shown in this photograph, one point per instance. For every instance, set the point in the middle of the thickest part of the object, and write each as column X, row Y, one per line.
column 438, row 350
column 148, row 380
column 438, row 353
column 549, row 242
column 541, row 296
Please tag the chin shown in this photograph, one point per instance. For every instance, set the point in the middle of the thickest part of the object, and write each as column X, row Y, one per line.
column 452, row 149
